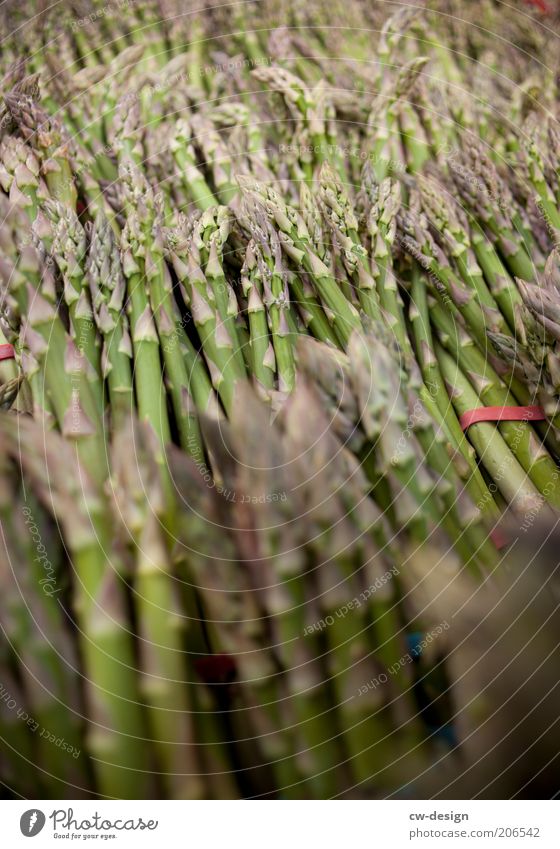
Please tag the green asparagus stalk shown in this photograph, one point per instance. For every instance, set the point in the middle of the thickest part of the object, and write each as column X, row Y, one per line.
column 148, row 380
column 506, row 472
column 120, row 765
column 520, row 437
column 107, row 288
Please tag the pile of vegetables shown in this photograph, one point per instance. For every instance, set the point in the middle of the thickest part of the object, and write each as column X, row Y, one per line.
column 258, row 265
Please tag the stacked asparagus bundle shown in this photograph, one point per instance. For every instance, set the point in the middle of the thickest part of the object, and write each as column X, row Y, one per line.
column 250, row 296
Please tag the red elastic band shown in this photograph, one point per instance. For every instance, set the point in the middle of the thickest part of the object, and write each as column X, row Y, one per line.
column 216, row 668
column 501, row 414
column 540, row 4
column 7, row 352
column 498, row 538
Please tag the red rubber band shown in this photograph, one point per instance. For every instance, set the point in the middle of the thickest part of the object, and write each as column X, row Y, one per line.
column 501, row 414
column 216, row 668
column 498, row 538
column 7, row 352
column 540, row 4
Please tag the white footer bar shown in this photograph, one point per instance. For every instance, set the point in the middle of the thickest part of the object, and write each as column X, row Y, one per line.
column 280, row 825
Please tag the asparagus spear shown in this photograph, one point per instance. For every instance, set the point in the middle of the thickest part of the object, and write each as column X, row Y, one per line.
column 163, row 684
column 216, row 341
column 68, row 249
column 35, row 621
column 263, row 362
column 296, row 242
column 340, row 217
column 20, row 174
column 482, row 189
column 381, row 227
column 194, row 182
column 66, row 376
column 530, row 453
column 276, row 298
column 47, row 137
column 145, row 343
column 116, row 723
column 437, row 400
column 495, row 456
column 107, row 288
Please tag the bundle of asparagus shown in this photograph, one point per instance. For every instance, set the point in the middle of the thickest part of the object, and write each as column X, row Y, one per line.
column 252, row 298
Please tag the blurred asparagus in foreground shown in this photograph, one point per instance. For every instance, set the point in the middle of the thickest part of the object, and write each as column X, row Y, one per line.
column 245, row 306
